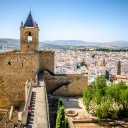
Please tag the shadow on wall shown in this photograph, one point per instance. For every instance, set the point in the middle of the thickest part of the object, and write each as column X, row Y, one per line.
column 65, row 85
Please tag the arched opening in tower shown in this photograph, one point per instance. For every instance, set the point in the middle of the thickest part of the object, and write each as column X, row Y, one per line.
column 29, row 37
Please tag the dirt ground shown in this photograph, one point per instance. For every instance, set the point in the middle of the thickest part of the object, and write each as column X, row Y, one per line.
column 87, row 125
column 76, row 104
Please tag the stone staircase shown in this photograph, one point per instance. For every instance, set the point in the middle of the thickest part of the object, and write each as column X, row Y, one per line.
column 39, row 117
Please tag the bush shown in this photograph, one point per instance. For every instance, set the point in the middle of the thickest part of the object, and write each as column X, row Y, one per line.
column 102, row 110
column 87, row 96
column 106, row 101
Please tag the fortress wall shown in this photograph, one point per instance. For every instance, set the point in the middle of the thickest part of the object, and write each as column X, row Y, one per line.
column 46, row 60
column 66, row 85
column 1, row 65
column 17, row 68
column 4, row 100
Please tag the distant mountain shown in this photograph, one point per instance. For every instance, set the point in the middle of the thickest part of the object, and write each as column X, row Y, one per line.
column 9, row 43
column 64, row 44
column 118, row 43
column 52, row 46
column 67, row 42
column 79, row 43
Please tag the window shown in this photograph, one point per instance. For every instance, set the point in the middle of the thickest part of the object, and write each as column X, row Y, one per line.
column 9, row 63
column 29, row 37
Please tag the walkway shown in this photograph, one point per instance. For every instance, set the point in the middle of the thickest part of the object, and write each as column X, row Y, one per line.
column 39, row 116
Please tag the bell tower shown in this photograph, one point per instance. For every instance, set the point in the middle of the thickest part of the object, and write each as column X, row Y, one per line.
column 29, row 35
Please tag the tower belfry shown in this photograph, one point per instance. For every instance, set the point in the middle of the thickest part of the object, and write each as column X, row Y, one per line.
column 29, row 35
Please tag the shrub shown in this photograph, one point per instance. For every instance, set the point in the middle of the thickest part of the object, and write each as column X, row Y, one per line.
column 60, row 103
column 106, row 101
column 102, row 110
column 61, row 121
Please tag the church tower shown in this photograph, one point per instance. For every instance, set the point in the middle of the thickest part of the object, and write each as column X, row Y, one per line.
column 29, row 35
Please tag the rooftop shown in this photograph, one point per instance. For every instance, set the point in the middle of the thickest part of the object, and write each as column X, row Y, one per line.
column 29, row 22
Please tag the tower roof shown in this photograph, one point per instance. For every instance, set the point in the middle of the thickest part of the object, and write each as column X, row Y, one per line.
column 29, row 22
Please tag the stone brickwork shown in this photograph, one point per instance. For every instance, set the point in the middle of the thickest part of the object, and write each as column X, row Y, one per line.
column 119, row 68
column 4, row 99
column 16, row 69
column 46, row 60
column 26, row 45
column 66, row 85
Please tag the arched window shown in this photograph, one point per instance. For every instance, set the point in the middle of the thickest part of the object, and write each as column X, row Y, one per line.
column 29, row 37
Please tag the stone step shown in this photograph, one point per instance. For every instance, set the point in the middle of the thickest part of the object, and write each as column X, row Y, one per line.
column 38, row 117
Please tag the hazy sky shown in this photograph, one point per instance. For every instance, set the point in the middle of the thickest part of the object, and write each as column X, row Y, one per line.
column 88, row 20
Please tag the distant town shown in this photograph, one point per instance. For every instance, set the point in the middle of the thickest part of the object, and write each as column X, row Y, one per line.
column 77, row 59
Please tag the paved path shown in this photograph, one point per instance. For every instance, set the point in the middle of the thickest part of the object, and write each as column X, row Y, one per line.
column 39, row 116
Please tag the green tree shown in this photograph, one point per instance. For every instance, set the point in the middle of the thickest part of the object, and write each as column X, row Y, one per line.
column 60, row 117
column 60, row 103
column 99, row 89
column 114, row 92
column 102, row 110
column 87, row 96
column 124, row 102
column 95, row 93
column 61, row 121
column 106, row 101
column 82, row 63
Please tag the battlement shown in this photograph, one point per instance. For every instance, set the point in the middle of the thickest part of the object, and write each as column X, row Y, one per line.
column 16, row 53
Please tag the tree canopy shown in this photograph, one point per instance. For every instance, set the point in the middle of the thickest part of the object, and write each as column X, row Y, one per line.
column 106, row 101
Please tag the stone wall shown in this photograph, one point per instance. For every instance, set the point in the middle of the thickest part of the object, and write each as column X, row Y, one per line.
column 65, row 85
column 16, row 69
column 46, row 60
column 4, row 99
column 26, row 46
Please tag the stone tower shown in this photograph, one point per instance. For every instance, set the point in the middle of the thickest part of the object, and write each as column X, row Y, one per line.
column 104, row 62
column 118, row 68
column 29, row 35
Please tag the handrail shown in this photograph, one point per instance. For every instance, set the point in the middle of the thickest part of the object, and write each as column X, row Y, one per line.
column 11, row 113
column 28, row 92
